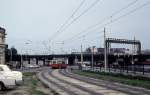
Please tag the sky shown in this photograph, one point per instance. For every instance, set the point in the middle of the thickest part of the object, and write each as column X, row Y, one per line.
column 35, row 26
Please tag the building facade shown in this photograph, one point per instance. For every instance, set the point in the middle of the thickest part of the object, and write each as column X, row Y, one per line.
column 2, row 45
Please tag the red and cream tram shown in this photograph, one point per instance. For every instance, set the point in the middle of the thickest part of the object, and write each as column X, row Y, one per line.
column 58, row 64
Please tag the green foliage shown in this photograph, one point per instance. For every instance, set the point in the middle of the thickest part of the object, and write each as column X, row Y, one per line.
column 13, row 51
column 125, row 79
column 29, row 74
column 32, row 83
column 36, row 92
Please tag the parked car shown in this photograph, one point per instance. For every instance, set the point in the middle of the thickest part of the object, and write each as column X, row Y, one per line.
column 8, row 78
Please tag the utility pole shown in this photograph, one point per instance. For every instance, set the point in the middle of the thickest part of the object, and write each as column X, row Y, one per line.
column 81, row 55
column 80, row 64
column 105, row 52
column 134, row 48
column 62, row 47
column 133, row 53
column 21, row 62
column 92, row 57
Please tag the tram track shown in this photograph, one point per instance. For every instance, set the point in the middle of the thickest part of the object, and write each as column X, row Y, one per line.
column 65, row 85
column 109, row 85
column 95, row 88
column 82, row 90
column 64, row 82
column 52, row 85
column 72, row 90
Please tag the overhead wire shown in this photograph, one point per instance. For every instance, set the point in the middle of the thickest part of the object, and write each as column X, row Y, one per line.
column 76, row 18
column 124, row 15
column 105, row 19
column 92, row 40
column 81, row 14
column 76, row 10
column 79, row 37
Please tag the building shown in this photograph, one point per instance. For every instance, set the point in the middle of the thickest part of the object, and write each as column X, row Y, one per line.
column 2, row 45
column 146, row 51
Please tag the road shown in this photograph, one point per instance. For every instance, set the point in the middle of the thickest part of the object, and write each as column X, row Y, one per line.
column 66, row 83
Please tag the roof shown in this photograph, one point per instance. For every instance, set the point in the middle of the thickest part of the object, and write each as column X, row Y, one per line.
column 2, row 65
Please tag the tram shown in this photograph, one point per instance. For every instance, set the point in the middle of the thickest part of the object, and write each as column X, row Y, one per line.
column 58, row 63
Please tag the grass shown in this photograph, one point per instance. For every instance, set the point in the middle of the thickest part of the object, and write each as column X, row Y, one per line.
column 32, row 82
column 125, row 79
column 36, row 92
column 28, row 74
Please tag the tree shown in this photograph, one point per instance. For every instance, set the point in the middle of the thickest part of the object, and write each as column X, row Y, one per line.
column 88, row 50
column 7, row 53
column 13, row 51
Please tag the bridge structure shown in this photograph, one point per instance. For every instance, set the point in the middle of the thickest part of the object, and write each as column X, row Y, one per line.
column 109, row 41
column 71, row 57
column 46, row 58
column 135, row 43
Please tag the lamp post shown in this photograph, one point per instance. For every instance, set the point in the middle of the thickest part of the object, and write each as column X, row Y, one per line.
column 105, row 52
column 92, row 57
column 21, row 64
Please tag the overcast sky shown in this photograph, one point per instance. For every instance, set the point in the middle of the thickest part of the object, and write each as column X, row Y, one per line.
column 31, row 25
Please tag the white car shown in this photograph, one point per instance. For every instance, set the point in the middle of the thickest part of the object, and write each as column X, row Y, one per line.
column 8, row 78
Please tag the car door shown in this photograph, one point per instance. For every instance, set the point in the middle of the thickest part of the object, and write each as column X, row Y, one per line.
column 1, row 73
